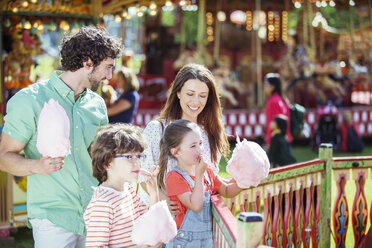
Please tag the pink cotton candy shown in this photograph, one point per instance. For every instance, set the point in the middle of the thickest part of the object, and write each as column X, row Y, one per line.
column 53, row 131
column 248, row 164
column 156, row 225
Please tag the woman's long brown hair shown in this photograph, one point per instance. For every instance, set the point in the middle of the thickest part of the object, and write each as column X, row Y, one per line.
column 209, row 118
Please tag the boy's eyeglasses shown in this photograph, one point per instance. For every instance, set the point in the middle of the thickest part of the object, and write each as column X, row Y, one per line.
column 132, row 158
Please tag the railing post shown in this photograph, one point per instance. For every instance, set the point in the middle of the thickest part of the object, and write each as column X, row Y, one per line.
column 326, row 154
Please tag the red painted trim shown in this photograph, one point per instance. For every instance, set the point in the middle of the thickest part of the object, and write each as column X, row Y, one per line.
column 342, row 159
column 226, row 215
column 295, row 166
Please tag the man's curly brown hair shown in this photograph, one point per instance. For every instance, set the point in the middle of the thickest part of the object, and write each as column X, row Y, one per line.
column 111, row 140
column 88, row 43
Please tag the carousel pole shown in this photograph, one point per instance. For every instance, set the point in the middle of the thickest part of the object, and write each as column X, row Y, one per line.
column 96, row 9
column 351, row 20
column 201, row 27
column 183, row 34
column 260, row 91
column 361, row 27
column 370, row 11
column 312, row 35
column 216, row 49
column 305, row 30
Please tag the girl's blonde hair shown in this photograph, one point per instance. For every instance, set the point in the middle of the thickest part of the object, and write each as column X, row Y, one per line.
column 172, row 138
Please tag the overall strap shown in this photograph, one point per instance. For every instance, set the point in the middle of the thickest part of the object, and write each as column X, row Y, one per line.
column 189, row 180
column 186, row 176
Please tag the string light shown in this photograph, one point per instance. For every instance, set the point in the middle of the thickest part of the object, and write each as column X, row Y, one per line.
column 117, row 18
column 36, row 24
column 210, row 31
column 27, row 25
column 277, row 27
column 249, row 20
column 168, row 3
column 124, row 14
column 182, row 2
column 64, row 26
column 270, row 26
column 221, row 16
column 152, row 5
column 25, row 4
column 284, row 26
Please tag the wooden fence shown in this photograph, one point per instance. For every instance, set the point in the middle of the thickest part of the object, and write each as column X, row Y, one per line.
column 304, row 205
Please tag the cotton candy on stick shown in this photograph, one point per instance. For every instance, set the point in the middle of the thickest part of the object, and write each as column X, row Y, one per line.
column 156, row 225
column 248, row 164
column 53, row 131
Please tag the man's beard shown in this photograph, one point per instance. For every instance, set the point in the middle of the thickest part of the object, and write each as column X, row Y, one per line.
column 94, row 81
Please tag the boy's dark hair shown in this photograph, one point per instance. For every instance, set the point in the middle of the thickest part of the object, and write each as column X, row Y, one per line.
column 111, row 140
column 88, row 43
column 281, row 122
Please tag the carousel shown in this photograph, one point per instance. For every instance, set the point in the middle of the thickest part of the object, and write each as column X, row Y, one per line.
column 239, row 41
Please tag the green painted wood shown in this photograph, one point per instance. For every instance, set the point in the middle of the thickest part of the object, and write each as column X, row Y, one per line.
column 352, row 164
column 272, row 178
column 224, row 229
column 325, row 153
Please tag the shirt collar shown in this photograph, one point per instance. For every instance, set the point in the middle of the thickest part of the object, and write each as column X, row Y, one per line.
column 62, row 88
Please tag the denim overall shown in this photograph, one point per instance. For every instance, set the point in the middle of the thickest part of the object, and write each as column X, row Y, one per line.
column 196, row 227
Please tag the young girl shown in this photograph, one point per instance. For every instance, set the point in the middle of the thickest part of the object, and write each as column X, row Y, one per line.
column 279, row 151
column 190, row 184
column 109, row 217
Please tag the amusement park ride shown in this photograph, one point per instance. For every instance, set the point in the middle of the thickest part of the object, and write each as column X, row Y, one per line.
column 303, row 205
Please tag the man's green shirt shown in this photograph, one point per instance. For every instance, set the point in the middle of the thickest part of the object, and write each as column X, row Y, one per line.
column 62, row 196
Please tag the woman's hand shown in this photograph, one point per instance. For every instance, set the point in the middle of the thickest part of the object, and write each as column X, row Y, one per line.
column 173, row 207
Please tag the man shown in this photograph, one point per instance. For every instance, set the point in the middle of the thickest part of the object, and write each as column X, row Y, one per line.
column 59, row 189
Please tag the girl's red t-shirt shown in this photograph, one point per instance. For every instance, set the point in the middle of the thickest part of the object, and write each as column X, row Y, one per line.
column 177, row 185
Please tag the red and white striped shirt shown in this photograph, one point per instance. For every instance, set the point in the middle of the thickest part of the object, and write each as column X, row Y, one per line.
column 110, row 215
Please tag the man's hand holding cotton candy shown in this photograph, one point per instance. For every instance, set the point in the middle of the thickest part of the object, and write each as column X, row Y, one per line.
column 248, row 164
column 47, row 165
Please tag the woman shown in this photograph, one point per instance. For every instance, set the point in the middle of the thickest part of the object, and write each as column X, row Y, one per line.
column 193, row 96
column 275, row 104
column 125, row 107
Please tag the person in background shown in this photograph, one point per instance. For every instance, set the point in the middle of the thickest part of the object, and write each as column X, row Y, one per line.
column 350, row 135
column 279, row 152
column 59, row 189
column 125, row 107
column 275, row 105
column 116, row 158
column 194, row 97
column 190, row 183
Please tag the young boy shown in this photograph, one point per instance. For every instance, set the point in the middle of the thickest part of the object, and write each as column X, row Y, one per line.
column 116, row 154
